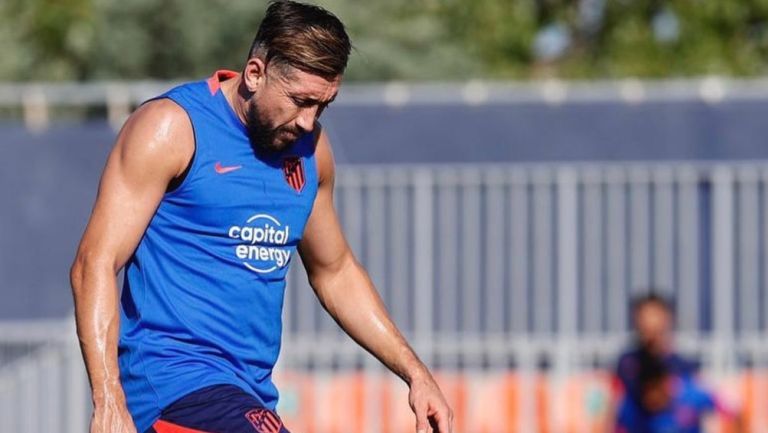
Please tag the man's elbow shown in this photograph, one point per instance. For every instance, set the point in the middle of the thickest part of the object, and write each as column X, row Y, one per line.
column 342, row 273
column 76, row 274
column 86, row 264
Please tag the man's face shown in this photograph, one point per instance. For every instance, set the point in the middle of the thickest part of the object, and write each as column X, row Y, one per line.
column 286, row 106
column 653, row 324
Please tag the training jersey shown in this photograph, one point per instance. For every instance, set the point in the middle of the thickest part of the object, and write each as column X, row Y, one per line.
column 203, row 292
column 626, row 381
column 685, row 413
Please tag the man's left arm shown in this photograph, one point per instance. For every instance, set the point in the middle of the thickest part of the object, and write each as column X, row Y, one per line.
column 347, row 293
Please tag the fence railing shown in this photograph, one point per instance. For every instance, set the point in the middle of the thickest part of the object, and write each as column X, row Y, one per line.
column 38, row 101
column 513, row 282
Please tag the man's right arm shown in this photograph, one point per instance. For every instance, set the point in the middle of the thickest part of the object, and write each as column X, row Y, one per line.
column 152, row 149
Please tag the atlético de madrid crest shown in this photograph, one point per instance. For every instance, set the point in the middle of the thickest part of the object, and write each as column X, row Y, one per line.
column 293, row 169
column 264, row 421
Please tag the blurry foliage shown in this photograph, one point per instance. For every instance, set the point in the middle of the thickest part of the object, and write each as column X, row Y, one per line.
column 394, row 39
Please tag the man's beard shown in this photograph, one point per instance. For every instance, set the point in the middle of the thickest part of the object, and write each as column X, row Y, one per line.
column 265, row 138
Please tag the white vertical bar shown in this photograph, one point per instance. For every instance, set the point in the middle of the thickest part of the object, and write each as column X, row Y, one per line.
column 639, row 229
column 617, row 302
column 748, row 266
column 567, row 277
column 76, row 393
column 688, row 236
column 291, row 320
column 6, row 403
column 376, row 265
column 542, row 252
column 307, row 307
column 448, row 265
column 663, row 258
column 375, row 234
column 471, row 234
column 722, row 262
column 592, row 224
column 30, row 395
column 494, row 258
column 519, row 260
column 398, row 221
column 52, row 396
column 353, row 229
column 423, row 284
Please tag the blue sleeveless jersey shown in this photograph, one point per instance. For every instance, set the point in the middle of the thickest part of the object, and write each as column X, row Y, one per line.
column 203, row 292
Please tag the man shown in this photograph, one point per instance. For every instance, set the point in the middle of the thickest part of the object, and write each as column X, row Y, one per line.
column 667, row 402
column 653, row 320
column 207, row 195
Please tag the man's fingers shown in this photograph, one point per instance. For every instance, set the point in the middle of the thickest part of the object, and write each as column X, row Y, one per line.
column 422, row 421
column 443, row 421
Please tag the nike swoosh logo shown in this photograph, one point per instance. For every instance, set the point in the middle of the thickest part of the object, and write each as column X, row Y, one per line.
column 223, row 170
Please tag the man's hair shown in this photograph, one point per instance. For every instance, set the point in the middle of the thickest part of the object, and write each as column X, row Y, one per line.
column 306, row 37
column 653, row 298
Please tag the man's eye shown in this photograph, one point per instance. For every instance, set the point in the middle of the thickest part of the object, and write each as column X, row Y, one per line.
column 303, row 103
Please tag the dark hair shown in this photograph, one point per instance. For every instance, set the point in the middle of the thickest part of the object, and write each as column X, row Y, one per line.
column 653, row 298
column 306, row 37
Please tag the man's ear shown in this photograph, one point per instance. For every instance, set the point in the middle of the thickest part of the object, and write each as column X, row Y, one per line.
column 254, row 74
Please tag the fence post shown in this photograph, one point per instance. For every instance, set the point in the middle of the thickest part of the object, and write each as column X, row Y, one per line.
column 423, row 260
column 77, row 389
column 567, row 281
column 722, row 269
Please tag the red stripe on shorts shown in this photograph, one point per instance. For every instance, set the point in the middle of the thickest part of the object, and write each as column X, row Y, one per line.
column 165, row 427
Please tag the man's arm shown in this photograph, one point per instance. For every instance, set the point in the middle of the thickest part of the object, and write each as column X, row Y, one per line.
column 154, row 147
column 347, row 293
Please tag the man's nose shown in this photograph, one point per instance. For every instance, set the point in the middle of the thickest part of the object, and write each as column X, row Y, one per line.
column 306, row 119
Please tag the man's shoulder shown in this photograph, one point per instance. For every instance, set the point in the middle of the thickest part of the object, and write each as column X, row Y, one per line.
column 680, row 364
column 159, row 129
column 627, row 364
column 159, row 110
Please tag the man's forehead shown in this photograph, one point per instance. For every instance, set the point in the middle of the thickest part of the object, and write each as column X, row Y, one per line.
column 304, row 84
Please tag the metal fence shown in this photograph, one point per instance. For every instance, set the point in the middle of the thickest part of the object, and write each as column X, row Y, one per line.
column 498, row 269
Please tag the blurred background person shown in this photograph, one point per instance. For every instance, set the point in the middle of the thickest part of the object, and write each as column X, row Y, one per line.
column 656, row 388
column 666, row 401
column 653, row 321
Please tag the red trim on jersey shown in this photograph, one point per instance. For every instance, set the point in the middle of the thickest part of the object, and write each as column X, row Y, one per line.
column 165, row 427
column 214, row 83
column 617, row 387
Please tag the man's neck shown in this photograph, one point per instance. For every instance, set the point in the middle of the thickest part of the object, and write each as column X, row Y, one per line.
column 232, row 93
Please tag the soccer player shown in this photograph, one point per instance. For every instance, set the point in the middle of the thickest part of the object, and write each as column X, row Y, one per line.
column 209, row 192
column 666, row 402
column 653, row 320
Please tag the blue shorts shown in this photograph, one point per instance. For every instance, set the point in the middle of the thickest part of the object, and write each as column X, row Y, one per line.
column 217, row 409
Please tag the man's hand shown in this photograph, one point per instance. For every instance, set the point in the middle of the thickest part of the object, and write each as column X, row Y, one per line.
column 429, row 405
column 111, row 416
